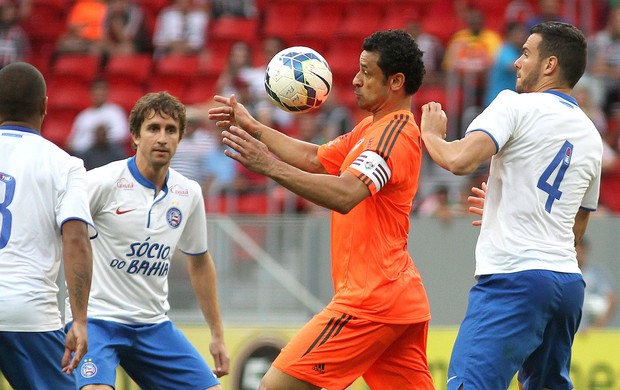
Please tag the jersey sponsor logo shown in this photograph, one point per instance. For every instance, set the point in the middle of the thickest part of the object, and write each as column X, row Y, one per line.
column 5, row 178
column 124, row 184
column 178, row 190
column 173, row 216
column 89, row 369
column 120, row 212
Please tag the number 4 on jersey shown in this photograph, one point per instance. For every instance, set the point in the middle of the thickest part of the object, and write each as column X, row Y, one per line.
column 560, row 163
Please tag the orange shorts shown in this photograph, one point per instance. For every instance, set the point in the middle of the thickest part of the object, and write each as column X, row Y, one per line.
column 334, row 349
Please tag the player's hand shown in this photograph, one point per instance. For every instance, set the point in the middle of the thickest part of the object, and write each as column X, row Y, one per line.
column 250, row 152
column 434, row 120
column 76, row 344
column 476, row 202
column 232, row 113
column 220, row 357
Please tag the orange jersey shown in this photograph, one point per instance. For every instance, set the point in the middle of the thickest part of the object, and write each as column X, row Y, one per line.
column 374, row 276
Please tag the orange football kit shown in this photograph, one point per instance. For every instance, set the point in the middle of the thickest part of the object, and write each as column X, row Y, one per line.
column 376, row 324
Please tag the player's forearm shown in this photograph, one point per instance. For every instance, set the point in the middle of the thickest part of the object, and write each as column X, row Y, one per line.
column 204, row 281
column 448, row 155
column 298, row 153
column 78, row 266
column 338, row 193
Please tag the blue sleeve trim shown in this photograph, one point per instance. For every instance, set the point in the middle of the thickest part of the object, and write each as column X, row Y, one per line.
column 587, row 208
column 194, row 254
column 92, row 230
column 489, row 134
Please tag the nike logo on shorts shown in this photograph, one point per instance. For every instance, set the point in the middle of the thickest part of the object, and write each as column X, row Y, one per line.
column 452, row 377
column 119, row 211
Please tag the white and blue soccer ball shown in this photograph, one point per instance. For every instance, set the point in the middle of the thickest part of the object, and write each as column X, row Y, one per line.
column 298, row 79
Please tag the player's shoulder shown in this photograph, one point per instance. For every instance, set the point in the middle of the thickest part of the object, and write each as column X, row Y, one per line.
column 179, row 182
column 107, row 172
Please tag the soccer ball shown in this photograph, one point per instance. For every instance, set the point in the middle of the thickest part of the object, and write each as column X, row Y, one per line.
column 298, row 79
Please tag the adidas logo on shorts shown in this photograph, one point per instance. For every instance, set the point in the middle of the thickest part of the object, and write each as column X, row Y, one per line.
column 320, row 368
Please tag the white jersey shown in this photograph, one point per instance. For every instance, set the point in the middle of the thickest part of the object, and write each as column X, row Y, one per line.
column 138, row 233
column 547, row 166
column 41, row 187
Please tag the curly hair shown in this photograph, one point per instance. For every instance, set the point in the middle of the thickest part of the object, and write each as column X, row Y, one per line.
column 398, row 53
column 157, row 103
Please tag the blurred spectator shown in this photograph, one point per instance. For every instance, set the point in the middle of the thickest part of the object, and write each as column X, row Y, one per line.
column 270, row 46
column 471, row 53
column 519, row 11
column 584, row 96
column 220, row 170
column 255, row 77
column 237, row 70
column 84, row 32
column 604, row 61
column 101, row 112
column 24, row 9
column 102, row 151
column 180, row 29
column 334, row 118
column 432, row 48
column 438, row 205
column 502, row 74
column 14, row 43
column 235, row 8
column 197, row 142
column 548, row 10
column 125, row 28
column 600, row 299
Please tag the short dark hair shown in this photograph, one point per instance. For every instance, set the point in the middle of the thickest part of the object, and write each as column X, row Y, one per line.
column 22, row 90
column 398, row 53
column 157, row 103
column 568, row 44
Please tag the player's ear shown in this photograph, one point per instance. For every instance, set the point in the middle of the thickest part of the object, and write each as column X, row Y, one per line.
column 396, row 81
column 551, row 64
column 43, row 107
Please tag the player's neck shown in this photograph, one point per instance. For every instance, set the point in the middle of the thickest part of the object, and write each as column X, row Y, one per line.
column 20, row 124
column 154, row 174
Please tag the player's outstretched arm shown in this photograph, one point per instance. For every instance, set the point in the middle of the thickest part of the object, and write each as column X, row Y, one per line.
column 203, row 276
column 78, row 263
column 300, row 154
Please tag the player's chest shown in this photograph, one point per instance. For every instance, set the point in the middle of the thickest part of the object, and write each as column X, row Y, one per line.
column 141, row 208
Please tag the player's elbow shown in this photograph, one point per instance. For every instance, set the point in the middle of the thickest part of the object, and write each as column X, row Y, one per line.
column 461, row 167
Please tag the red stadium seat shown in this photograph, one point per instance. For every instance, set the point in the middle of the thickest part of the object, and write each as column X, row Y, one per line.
column 231, row 29
column 200, row 90
column 83, row 67
column 282, row 18
column 125, row 95
column 320, row 22
column 360, row 21
column 177, row 65
column 130, row 68
column 67, row 95
column 57, row 127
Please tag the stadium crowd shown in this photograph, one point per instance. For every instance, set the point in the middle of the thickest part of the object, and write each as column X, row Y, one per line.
column 100, row 56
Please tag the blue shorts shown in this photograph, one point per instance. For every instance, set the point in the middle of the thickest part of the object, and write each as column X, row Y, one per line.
column 156, row 356
column 32, row 360
column 523, row 321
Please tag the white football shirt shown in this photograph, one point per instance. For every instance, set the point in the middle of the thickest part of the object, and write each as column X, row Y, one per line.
column 138, row 233
column 547, row 166
column 41, row 187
